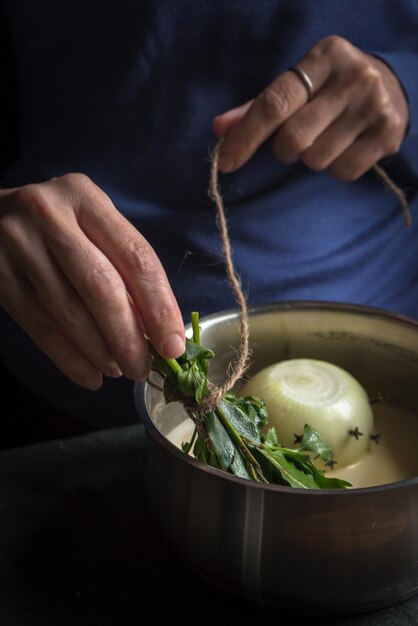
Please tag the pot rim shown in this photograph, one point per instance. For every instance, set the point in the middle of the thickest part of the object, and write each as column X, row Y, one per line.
column 296, row 305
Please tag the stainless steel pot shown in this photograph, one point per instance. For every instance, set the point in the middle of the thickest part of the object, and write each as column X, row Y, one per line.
column 316, row 552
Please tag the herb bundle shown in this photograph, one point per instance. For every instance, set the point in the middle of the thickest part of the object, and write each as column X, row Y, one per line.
column 228, row 435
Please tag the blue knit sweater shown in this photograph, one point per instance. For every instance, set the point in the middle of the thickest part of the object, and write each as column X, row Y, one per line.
column 125, row 92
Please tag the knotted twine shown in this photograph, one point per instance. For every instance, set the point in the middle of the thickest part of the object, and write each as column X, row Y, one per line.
column 238, row 367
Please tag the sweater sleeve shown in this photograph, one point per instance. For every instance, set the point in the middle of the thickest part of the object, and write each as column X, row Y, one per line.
column 404, row 166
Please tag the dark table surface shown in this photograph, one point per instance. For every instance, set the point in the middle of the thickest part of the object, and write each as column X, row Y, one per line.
column 78, row 546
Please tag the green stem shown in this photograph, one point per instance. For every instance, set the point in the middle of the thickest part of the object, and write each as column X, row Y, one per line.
column 253, row 474
column 174, row 365
column 196, row 339
column 195, row 327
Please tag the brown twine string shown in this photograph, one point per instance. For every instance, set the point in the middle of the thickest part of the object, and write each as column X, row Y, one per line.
column 240, row 365
column 386, row 179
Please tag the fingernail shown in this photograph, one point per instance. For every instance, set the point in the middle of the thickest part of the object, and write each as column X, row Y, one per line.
column 174, row 346
column 113, row 372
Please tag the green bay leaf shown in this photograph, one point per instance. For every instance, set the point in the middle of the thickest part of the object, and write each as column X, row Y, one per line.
column 313, row 441
column 220, row 439
column 271, row 437
column 195, row 351
column 240, row 421
column 288, row 470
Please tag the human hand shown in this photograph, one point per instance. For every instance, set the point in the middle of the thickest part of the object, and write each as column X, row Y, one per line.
column 82, row 282
column 358, row 115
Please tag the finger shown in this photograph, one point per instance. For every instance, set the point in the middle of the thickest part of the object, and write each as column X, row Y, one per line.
column 223, row 123
column 20, row 302
column 334, row 141
column 150, row 290
column 367, row 150
column 276, row 104
column 303, row 129
column 103, row 292
column 62, row 302
column 141, row 271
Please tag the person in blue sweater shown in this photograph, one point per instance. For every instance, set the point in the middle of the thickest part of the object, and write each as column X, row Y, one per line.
column 106, row 229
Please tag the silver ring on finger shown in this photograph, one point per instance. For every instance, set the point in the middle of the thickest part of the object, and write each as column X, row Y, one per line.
column 305, row 80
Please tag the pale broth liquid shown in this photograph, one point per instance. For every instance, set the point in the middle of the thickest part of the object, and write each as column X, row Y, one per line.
column 394, row 458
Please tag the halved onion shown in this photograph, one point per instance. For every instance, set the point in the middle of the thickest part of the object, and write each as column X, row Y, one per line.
column 308, row 391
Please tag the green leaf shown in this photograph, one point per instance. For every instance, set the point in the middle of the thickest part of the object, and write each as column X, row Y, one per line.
column 271, row 474
column 313, row 441
column 199, row 449
column 240, row 421
column 288, row 470
column 202, row 388
column 193, row 383
column 171, row 390
column 186, row 446
column 220, row 439
column 213, row 460
column 271, row 437
column 304, row 463
column 238, row 466
column 324, row 482
column 253, row 407
column 330, row 483
column 187, row 382
column 195, row 352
